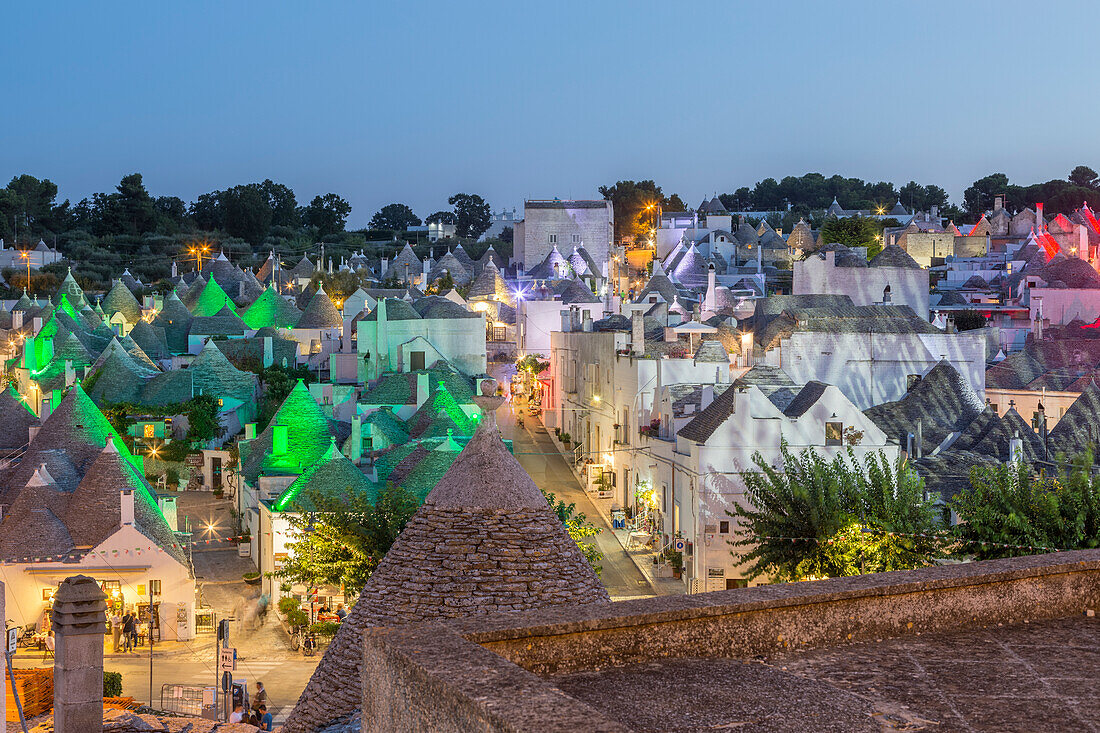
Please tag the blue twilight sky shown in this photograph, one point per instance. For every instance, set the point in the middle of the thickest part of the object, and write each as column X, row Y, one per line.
column 414, row 100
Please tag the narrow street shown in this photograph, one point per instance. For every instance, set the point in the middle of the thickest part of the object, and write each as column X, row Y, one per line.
column 537, row 454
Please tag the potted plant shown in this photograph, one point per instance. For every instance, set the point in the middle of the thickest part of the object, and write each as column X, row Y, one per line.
column 676, row 562
column 566, row 439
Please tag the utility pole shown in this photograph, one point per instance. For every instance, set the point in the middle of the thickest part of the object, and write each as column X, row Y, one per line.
column 151, row 617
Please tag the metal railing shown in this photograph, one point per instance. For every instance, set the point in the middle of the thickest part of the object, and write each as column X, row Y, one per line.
column 188, row 699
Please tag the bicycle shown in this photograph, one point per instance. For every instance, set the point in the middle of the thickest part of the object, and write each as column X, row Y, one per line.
column 309, row 644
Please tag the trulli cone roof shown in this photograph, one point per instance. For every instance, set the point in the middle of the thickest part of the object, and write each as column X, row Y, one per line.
column 486, row 504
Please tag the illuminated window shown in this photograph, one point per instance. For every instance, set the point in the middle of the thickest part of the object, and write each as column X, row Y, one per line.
column 149, row 430
column 154, row 587
column 834, row 433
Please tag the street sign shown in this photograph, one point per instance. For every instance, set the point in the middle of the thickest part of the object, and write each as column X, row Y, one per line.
column 228, row 660
column 13, row 639
column 680, row 545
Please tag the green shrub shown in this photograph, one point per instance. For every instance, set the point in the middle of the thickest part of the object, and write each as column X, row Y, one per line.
column 112, row 684
column 288, row 604
column 326, row 629
column 297, row 617
column 251, row 576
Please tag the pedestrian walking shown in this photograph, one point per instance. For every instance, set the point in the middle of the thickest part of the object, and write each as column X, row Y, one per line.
column 128, row 632
column 116, row 630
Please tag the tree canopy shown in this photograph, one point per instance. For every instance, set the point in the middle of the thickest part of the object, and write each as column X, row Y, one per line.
column 341, row 539
column 1057, row 196
column 398, row 217
column 472, row 214
column 853, row 231
column 815, row 517
column 635, row 204
column 1017, row 509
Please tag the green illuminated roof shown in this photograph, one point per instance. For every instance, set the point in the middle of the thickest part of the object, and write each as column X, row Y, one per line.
column 440, row 402
column 271, row 309
column 76, row 428
column 333, row 474
column 400, row 388
column 394, row 428
column 308, row 437
column 212, row 300
column 70, row 288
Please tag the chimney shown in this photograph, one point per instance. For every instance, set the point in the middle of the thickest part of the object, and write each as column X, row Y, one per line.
column 830, row 258
column 175, row 270
column 998, row 203
column 587, row 323
column 127, row 496
column 427, row 270
column 1015, row 448
column 240, row 290
column 269, row 352
column 421, row 389
column 707, row 397
column 574, row 318
column 886, row 295
column 70, row 373
column 637, row 333
column 711, row 299
column 356, row 439
column 919, row 440
column 250, row 431
column 17, row 320
column 1040, row 222
column 32, row 432
column 385, row 266
column 566, row 321
column 935, row 212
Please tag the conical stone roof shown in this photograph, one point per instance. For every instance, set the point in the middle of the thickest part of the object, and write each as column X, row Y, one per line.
column 175, row 319
column 489, row 284
column 485, row 506
column 211, row 300
column 320, row 313
column 271, row 309
column 308, row 437
column 121, row 300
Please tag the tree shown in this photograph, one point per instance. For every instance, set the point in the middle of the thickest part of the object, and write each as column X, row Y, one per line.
column 812, row 517
column 969, row 320
column 328, row 214
column 978, row 198
column 1013, row 509
column 338, row 539
column 398, row 217
column 1083, row 176
column 673, row 203
column 171, row 213
column 472, row 215
column 853, row 231
column 133, row 206
column 284, row 206
column 206, row 211
column 246, row 213
column 579, row 529
column 507, row 234
column 633, row 203
column 441, row 217
column 922, row 198
column 36, row 199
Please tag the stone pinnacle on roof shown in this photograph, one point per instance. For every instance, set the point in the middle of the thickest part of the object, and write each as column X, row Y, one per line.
column 487, row 504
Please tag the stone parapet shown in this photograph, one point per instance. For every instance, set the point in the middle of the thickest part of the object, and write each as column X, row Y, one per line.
column 402, row 665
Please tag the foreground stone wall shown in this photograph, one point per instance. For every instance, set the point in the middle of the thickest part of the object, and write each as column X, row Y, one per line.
column 477, row 674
